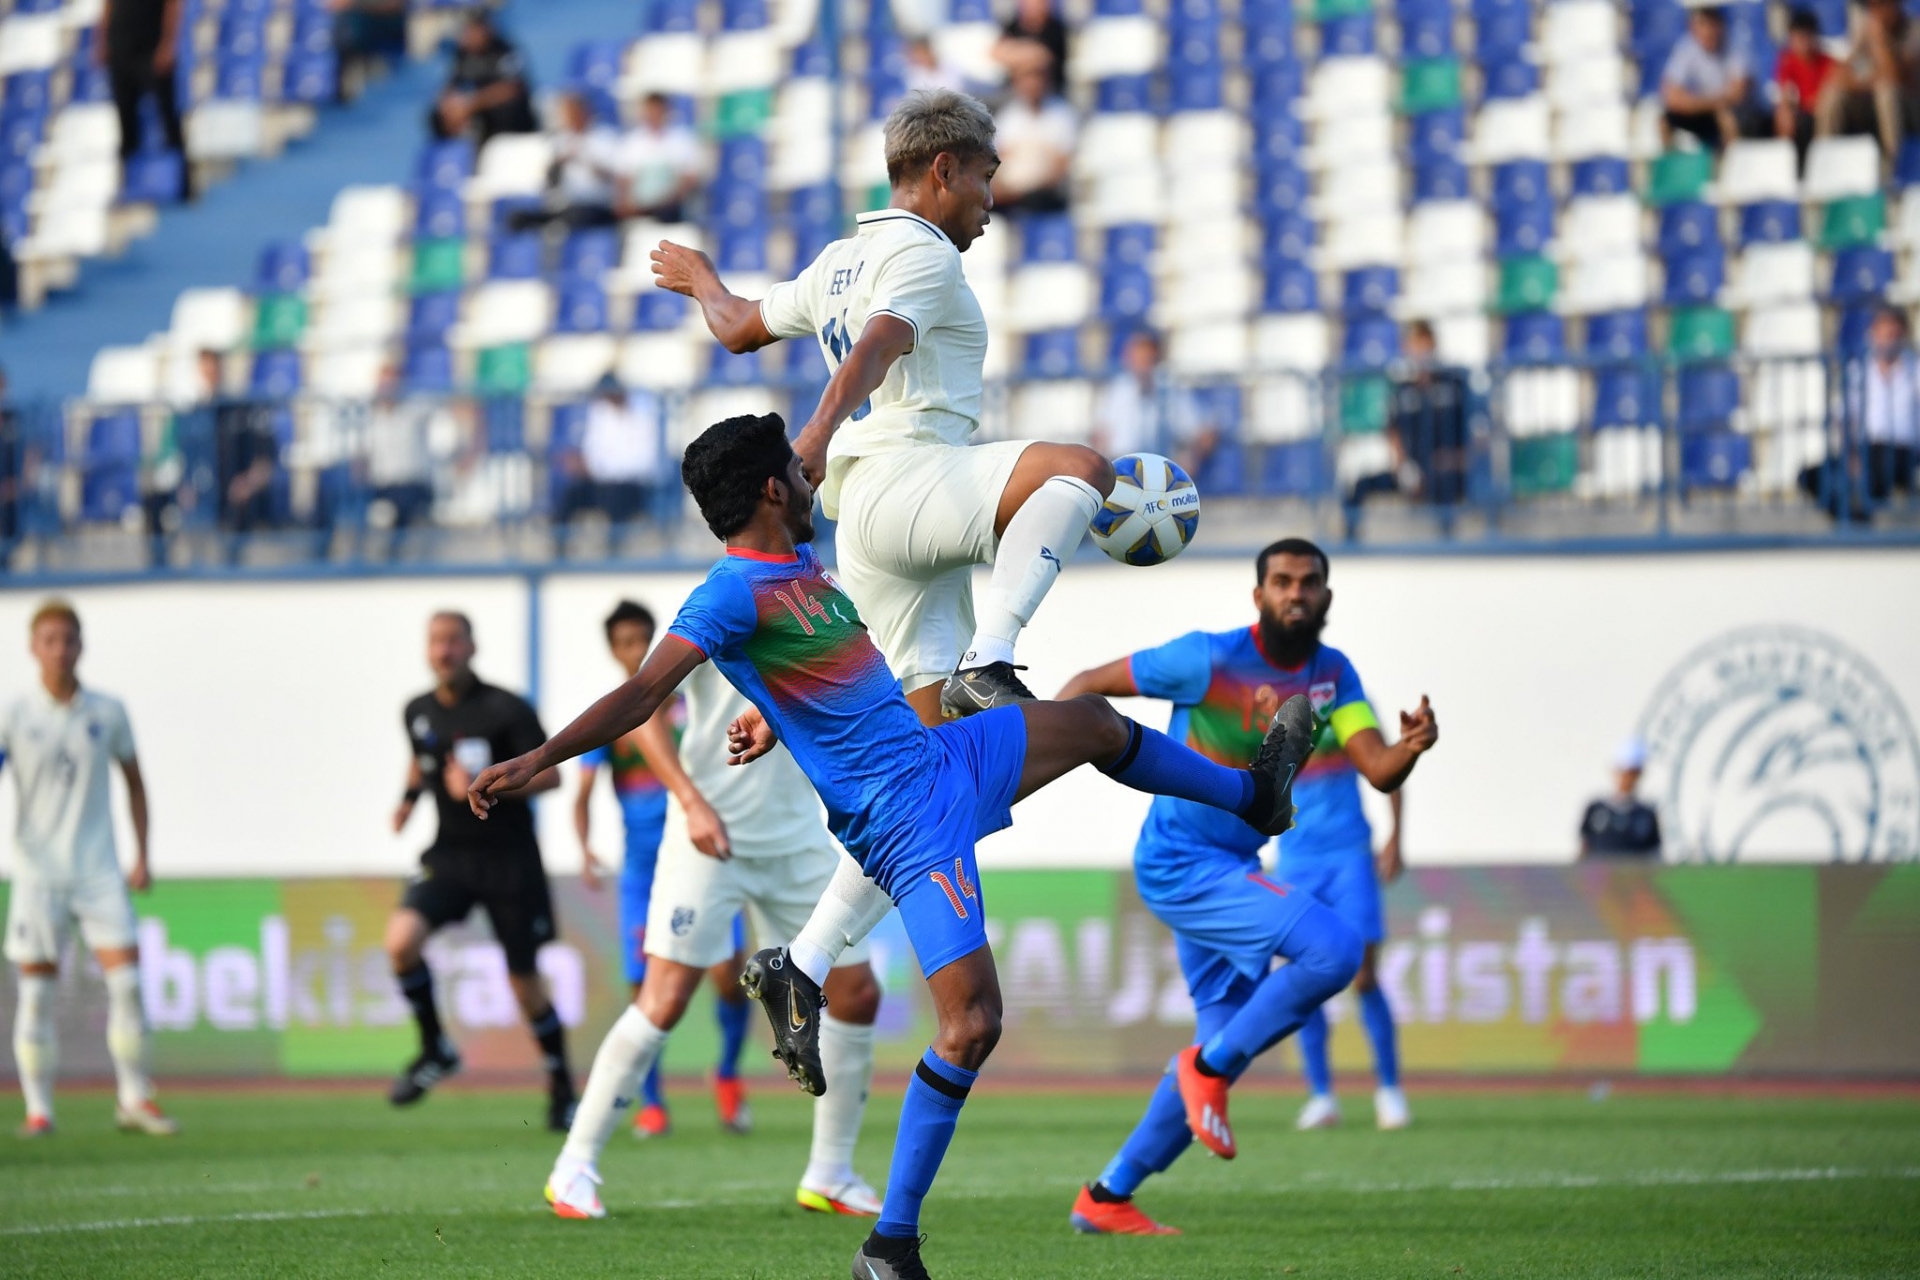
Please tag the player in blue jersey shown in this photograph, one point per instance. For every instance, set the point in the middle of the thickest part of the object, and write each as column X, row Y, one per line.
column 644, row 764
column 1199, row 870
column 907, row 801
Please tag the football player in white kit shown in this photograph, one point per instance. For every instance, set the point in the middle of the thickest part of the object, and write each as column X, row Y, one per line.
column 60, row 738
column 760, row 843
column 889, row 445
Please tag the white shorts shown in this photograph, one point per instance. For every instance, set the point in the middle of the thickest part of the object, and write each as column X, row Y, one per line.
column 40, row 914
column 913, row 523
column 695, row 898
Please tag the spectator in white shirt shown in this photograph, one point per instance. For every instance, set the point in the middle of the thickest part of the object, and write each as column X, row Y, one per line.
column 589, row 160
column 403, row 430
column 1707, row 86
column 662, row 165
column 617, row 467
column 1034, row 133
column 926, row 71
column 1881, row 433
column 1141, row 411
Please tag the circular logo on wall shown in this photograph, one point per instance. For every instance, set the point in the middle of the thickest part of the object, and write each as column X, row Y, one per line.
column 1779, row 742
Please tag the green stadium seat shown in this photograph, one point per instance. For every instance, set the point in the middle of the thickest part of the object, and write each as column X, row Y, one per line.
column 506, row 370
column 1543, row 464
column 1527, row 284
column 279, row 320
column 1854, row 222
column 1679, row 176
column 1363, row 405
column 1700, row 333
column 1430, row 84
column 745, row 112
column 439, row 266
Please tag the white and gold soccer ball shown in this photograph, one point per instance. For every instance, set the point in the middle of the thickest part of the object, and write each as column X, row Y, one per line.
column 1152, row 513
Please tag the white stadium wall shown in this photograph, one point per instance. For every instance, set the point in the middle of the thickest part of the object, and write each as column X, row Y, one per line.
column 1777, row 691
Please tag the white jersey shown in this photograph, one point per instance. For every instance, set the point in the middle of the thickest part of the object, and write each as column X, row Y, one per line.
column 770, row 808
column 59, row 752
column 896, row 264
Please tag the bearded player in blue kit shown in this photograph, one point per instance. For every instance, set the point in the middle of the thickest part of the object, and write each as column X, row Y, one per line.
column 908, row 802
column 1198, row 870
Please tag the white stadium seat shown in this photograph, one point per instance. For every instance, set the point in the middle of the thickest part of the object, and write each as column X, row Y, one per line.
column 123, row 375
column 968, row 47
column 1374, row 240
column 1841, row 167
column 1573, row 30
column 1055, row 409
column 1626, row 462
column 1600, row 227
column 1444, row 288
column 743, row 60
column 511, row 164
column 355, row 321
column 1198, row 138
column 503, row 311
column 1541, row 401
column 351, row 374
column 570, row 363
column 1225, row 292
column 1053, row 295
column 1442, row 229
column 30, row 42
column 82, row 132
column 1282, row 408
column 1511, row 129
column 226, row 129
column 1463, row 339
column 1291, row 342
column 665, row 63
column 1595, row 129
column 1339, row 86
column 1358, row 139
column 1755, row 169
column 210, row 319
column 1214, row 349
column 1771, row 273
column 1614, row 282
column 370, row 215
column 1117, row 46
column 661, row 361
column 1792, row 329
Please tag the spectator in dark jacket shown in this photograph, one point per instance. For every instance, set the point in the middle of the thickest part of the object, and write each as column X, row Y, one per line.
column 137, row 43
column 486, row 91
column 1621, row 824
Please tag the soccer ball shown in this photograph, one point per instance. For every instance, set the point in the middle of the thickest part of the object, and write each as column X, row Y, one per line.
column 1152, row 513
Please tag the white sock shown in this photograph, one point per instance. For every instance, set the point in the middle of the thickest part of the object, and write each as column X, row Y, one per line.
column 36, row 1044
column 625, row 1056
column 846, row 1059
column 127, row 1035
column 845, row 914
column 1042, row 536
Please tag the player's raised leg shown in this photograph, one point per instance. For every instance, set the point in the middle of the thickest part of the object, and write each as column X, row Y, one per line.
column 1044, row 512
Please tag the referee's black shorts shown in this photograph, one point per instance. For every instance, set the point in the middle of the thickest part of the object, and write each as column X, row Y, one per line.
column 512, row 888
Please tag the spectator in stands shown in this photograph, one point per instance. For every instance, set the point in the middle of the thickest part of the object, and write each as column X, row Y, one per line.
column 366, row 34
column 1876, row 88
column 1035, row 37
column 589, row 166
column 1621, row 824
column 1799, row 77
column 401, row 430
column 486, row 91
column 618, row 466
column 1427, row 423
column 1034, row 133
column 1881, row 432
column 926, row 71
column 1142, row 410
column 662, row 163
column 138, row 43
column 244, row 452
column 1707, row 86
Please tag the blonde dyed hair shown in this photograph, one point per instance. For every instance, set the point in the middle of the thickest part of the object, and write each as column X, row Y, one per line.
column 54, row 608
column 929, row 121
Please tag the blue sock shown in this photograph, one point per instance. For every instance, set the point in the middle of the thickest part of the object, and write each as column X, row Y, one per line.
column 1323, row 954
column 1377, row 1017
column 650, row 1087
column 1162, row 1134
column 928, row 1115
column 1313, row 1052
column 1155, row 763
column 732, row 1015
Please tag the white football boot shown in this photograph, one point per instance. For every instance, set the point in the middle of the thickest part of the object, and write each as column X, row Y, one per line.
column 854, row 1198
column 571, row 1191
column 145, row 1117
column 1321, row 1112
column 1390, row 1109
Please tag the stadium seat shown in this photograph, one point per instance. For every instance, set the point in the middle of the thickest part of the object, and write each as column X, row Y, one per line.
column 1441, row 180
column 1700, row 333
column 1853, row 221
column 1511, row 129
column 1709, row 396
column 1770, row 221
column 1766, row 274
column 1535, row 337
column 1625, row 397
column 1369, row 290
column 431, row 317
column 1605, row 283
column 1600, row 227
column 276, row 375
column 1688, row 226
column 1679, row 176
column 1523, row 229
column 1047, row 238
column 1861, row 274
column 504, row 311
column 572, row 363
column 656, row 310
column 123, row 376
column 1754, row 170
column 445, row 166
column 1617, row 335
column 1126, row 292
column 1520, row 182
column 427, row 369
column 1370, row 342
column 516, row 256
column 582, row 308
column 1838, row 168
column 1295, row 469
column 1427, row 35
column 1714, row 460
column 1790, row 329
column 110, row 467
column 1694, row 277
column 1600, row 176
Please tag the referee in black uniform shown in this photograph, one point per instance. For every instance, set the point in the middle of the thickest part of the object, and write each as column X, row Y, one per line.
column 456, row 730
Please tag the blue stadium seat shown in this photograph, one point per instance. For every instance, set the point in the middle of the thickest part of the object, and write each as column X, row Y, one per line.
column 1441, row 180
column 813, row 59
column 1194, row 13
column 743, row 160
column 282, row 267
column 1417, row 10
column 21, row 133
column 741, row 249
column 1370, row 342
column 312, row 32
column 1714, row 460
column 1124, row 94
column 1130, row 243
column 582, row 308
column 1436, row 135
column 1295, row 469
column 1851, row 338
column 566, row 427
column 1350, row 36
column 656, row 310
column 1287, row 236
column 1195, row 88
column 738, row 205
column 1617, row 335
column 1601, row 176
column 1193, row 48
column 1225, row 470
column 243, row 34
column 151, row 177
column 110, row 467
column 1047, row 237
column 671, row 16
column 312, row 78
column 1535, row 337
column 427, row 368
column 238, row 79
column 1770, row 222
column 27, row 91
column 1268, row 46
column 1694, row 277
column 276, row 374
column 515, row 256
column 1522, row 229
column 1126, row 292
column 1501, row 35
column 1907, row 172
column 1688, row 226
column 1053, row 353
column 1832, row 15
column 430, row 316
column 1276, row 85
column 90, row 83
column 804, row 362
column 1290, row 287
column 1625, row 398
column 1510, row 76
column 439, row 215
column 1709, row 397
column 725, row 369
column 1428, row 35
column 1369, row 290
column 589, row 254
column 982, row 11
column 444, row 166
column 1519, row 182
column 1280, row 188
column 1219, row 407
column 1278, row 139
column 1861, row 274
column 743, row 15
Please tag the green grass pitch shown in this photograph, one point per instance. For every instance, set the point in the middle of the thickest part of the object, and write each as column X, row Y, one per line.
column 1487, row 1184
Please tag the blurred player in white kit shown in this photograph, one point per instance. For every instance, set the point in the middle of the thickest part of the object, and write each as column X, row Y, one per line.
column 60, row 739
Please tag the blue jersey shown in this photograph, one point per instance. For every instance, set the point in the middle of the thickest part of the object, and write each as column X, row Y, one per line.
column 1224, row 691
column 642, row 796
column 786, row 636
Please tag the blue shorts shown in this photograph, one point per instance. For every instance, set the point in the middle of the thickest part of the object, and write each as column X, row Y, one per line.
column 925, row 862
column 1349, row 885
column 1228, row 930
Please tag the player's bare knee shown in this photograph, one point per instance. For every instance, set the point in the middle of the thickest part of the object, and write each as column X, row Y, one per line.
column 967, row 1038
column 1082, row 463
column 530, row 993
column 853, row 995
column 406, row 935
column 1105, row 731
column 1367, row 976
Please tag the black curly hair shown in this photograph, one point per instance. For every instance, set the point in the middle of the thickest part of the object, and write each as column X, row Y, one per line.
column 727, row 467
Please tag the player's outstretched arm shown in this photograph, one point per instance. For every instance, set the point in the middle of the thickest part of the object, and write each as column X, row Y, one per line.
column 618, row 713
column 735, row 321
column 1113, row 680
column 583, row 826
column 885, row 339
column 704, row 826
column 1386, row 767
